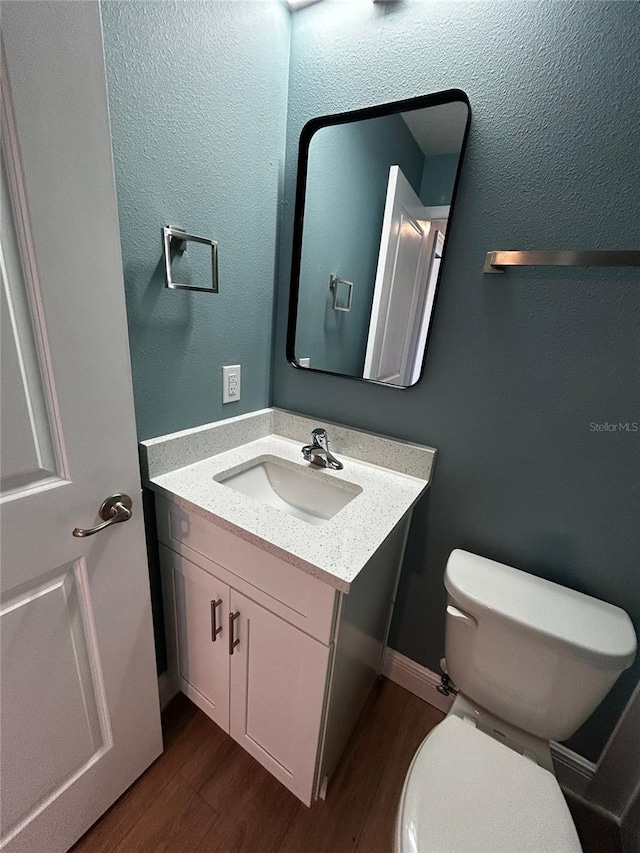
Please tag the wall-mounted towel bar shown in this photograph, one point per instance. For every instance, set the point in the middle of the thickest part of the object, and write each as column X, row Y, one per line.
column 175, row 239
column 497, row 261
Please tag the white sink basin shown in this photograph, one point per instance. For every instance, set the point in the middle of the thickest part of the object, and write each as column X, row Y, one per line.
column 302, row 492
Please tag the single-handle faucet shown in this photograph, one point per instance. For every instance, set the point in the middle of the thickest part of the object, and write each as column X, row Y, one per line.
column 318, row 451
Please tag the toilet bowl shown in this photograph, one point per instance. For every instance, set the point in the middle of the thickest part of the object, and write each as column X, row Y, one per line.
column 531, row 660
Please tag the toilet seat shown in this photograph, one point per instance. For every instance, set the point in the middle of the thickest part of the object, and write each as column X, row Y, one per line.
column 467, row 793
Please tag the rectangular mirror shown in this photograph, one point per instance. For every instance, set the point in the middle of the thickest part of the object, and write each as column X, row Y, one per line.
column 374, row 199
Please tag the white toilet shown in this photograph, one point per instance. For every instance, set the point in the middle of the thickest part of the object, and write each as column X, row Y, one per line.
column 531, row 660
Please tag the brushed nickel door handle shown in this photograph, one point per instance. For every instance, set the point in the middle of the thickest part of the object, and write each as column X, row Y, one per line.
column 232, row 641
column 215, row 628
column 115, row 509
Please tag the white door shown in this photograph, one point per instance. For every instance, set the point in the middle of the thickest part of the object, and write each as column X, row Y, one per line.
column 197, row 615
column 437, row 231
column 79, row 700
column 400, row 286
column 278, row 680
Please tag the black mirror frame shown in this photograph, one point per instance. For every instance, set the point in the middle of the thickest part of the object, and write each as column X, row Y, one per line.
column 436, row 99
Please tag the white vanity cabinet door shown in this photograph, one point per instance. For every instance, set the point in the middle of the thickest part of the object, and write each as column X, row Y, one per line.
column 278, row 681
column 197, row 611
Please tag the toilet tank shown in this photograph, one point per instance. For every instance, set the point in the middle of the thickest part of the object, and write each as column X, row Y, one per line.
column 538, row 655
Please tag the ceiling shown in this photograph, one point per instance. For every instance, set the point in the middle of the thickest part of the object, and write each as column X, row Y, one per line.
column 438, row 130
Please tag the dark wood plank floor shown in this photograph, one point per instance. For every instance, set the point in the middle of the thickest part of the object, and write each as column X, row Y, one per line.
column 207, row 795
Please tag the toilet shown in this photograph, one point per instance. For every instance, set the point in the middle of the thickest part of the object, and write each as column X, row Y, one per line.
column 531, row 661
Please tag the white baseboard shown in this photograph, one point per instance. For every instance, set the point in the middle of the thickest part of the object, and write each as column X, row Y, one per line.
column 415, row 678
column 167, row 688
column 572, row 770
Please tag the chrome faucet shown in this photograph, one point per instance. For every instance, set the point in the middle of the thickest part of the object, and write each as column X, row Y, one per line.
column 318, row 451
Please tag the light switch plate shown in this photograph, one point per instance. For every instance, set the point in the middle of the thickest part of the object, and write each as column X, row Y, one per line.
column 231, row 383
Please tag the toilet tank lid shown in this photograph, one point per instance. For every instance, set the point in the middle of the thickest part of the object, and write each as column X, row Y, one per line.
column 600, row 632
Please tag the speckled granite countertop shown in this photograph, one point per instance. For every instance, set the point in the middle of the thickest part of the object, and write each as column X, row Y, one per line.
column 334, row 551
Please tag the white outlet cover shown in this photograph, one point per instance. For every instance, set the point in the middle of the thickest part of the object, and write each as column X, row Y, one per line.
column 231, row 383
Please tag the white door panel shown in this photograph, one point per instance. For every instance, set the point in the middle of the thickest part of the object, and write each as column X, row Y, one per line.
column 80, row 715
column 27, row 454
column 402, row 295
column 400, row 291
column 73, row 701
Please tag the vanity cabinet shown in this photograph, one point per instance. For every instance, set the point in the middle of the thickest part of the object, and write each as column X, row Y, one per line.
column 280, row 660
column 258, row 677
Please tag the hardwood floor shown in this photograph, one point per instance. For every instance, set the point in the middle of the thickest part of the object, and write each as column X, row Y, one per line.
column 205, row 794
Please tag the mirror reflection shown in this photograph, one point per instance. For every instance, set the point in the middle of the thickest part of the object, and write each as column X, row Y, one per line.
column 375, row 194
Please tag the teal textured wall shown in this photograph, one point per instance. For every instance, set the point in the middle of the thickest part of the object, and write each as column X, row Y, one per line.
column 519, row 366
column 198, row 100
column 347, row 183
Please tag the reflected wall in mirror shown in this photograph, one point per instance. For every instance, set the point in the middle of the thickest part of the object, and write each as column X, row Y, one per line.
column 374, row 199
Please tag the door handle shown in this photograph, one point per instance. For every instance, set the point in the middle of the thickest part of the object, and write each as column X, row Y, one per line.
column 215, row 628
column 232, row 642
column 115, row 509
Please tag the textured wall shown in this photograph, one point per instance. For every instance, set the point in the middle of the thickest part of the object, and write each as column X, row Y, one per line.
column 347, row 183
column 197, row 95
column 520, row 365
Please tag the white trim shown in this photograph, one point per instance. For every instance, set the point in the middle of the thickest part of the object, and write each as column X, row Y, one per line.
column 415, row 678
column 573, row 771
column 167, row 688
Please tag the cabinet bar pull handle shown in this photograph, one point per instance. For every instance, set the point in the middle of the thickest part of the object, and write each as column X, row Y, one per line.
column 232, row 642
column 215, row 629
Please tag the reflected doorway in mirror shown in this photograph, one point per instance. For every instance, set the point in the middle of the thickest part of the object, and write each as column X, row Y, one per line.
column 406, row 278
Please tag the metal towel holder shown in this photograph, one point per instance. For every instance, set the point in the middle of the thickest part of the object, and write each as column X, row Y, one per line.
column 176, row 239
column 334, row 284
column 497, row 261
